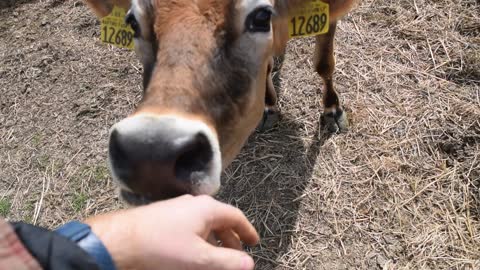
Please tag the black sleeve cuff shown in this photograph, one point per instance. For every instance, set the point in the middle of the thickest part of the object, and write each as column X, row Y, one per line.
column 53, row 251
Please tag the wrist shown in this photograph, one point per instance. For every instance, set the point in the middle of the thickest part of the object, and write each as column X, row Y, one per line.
column 117, row 237
column 87, row 240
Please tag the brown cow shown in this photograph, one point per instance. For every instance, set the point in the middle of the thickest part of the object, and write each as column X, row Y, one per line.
column 207, row 81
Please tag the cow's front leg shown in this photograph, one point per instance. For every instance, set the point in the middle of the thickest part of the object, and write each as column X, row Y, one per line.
column 335, row 118
column 271, row 115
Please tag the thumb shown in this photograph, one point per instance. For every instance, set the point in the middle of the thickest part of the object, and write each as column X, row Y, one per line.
column 227, row 259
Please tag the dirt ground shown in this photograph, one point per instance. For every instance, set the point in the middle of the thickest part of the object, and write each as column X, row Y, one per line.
column 400, row 190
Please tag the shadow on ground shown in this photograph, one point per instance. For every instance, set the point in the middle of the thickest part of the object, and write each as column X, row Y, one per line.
column 267, row 182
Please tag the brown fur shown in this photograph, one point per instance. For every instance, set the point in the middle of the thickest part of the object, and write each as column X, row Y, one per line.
column 191, row 35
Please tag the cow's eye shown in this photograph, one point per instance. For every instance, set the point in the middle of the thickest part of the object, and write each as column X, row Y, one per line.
column 260, row 19
column 132, row 21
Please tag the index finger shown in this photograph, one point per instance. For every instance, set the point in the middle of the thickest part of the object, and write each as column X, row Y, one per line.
column 226, row 217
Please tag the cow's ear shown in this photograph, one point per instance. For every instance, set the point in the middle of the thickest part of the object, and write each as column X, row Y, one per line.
column 338, row 8
column 280, row 24
column 102, row 8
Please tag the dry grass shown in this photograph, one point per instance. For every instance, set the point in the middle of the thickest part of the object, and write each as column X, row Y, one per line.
column 401, row 190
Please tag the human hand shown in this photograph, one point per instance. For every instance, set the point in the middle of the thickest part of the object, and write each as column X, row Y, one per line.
column 173, row 235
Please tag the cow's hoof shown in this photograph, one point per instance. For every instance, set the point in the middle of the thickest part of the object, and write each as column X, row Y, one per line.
column 335, row 122
column 271, row 116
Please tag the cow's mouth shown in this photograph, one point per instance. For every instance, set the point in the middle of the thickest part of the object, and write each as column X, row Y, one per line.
column 133, row 198
column 136, row 199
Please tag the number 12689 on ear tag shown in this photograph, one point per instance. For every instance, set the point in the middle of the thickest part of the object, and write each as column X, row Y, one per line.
column 115, row 31
column 312, row 19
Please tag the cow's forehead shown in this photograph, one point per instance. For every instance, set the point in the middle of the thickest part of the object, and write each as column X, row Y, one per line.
column 243, row 5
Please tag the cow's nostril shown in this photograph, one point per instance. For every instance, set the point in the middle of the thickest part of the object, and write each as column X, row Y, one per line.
column 118, row 155
column 162, row 157
column 194, row 158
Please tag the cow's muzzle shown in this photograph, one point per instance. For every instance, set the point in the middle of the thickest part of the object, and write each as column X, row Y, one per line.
column 156, row 157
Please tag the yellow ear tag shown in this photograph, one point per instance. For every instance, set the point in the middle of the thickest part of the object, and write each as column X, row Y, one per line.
column 115, row 31
column 312, row 19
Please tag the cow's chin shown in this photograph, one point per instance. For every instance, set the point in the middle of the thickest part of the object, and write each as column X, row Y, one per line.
column 134, row 199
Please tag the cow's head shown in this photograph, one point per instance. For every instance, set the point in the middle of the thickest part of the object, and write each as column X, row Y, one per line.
column 205, row 65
